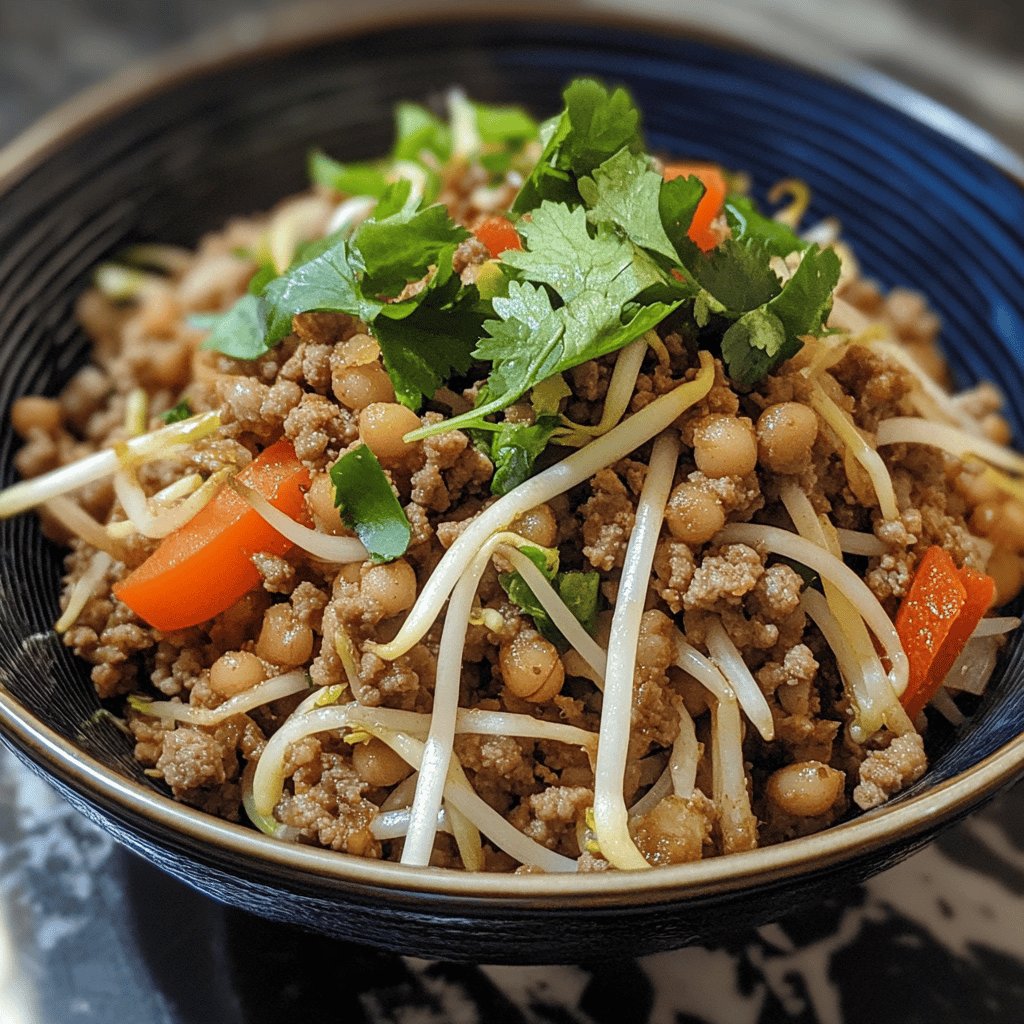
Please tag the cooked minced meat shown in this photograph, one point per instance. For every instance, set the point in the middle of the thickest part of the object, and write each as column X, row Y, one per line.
column 663, row 604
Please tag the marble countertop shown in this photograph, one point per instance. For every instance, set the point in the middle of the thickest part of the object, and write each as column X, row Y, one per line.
column 91, row 934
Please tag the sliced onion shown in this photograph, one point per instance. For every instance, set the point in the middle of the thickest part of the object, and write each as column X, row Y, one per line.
column 996, row 626
column 337, row 550
column 972, row 670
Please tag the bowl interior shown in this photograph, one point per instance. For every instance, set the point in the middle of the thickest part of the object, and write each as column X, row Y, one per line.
column 920, row 208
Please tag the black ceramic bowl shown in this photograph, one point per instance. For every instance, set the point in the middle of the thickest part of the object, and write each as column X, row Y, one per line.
column 926, row 200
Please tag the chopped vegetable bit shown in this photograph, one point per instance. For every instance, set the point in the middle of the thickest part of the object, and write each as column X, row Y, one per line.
column 206, row 566
column 701, row 231
column 368, row 505
column 498, row 234
column 936, row 619
column 180, row 412
column 579, row 591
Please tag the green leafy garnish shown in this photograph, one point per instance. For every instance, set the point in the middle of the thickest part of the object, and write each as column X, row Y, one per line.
column 368, row 505
column 354, row 179
column 594, row 125
column 180, row 412
column 747, row 222
column 514, row 450
column 579, row 591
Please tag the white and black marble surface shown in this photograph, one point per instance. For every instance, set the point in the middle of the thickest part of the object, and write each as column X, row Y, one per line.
column 90, row 934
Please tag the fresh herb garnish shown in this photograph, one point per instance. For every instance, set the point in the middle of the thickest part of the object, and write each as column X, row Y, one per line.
column 180, row 412
column 579, row 591
column 368, row 505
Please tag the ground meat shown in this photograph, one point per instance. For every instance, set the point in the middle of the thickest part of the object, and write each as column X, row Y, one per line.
column 676, row 830
column 886, row 772
column 500, row 766
column 278, row 574
column 608, row 517
column 552, row 816
column 726, row 576
column 776, row 595
column 191, row 759
column 673, row 572
column 655, row 718
column 451, row 466
column 469, row 256
column 320, row 430
column 327, row 804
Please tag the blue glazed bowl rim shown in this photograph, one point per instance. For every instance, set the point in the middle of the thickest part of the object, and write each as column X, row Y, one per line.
column 889, row 828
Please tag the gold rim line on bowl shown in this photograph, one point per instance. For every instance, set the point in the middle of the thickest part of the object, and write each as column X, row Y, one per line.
column 907, row 819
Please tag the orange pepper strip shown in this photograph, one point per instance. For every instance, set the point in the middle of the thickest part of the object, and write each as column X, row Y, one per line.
column 206, row 566
column 701, row 232
column 936, row 619
column 498, row 234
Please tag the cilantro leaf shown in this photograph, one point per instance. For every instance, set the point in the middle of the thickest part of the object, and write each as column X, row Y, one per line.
column 806, row 301
column 738, row 275
column 355, row 179
column 418, row 131
column 752, row 345
column 180, row 412
column 514, row 450
column 763, row 338
column 626, row 192
column 747, row 221
column 677, row 203
column 425, row 340
column 400, row 249
column 594, row 125
column 579, row 591
column 504, row 126
column 368, row 505
column 579, row 297
column 329, row 281
column 241, row 332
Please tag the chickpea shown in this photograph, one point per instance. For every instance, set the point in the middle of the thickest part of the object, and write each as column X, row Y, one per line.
column 995, row 428
column 1006, row 568
column 320, row 502
column 283, row 640
column 34, row 411
column 390, row 588
column 724, row 445
column 538, row 525
column 235, row 672
column 693, row 514
column 977, row 488
column 1008, row 527
column 382, row 425
column 983, row 518
column 805, row 789
column 359, row 386
column 378, row 764
column 785, row 435
column 531, row 667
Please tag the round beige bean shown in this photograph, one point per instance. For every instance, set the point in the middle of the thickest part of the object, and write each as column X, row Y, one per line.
column 382, row 425
column 693, row 514
column 1008, row 526
column 320, row 502
column 785, row 436
column 284, row 641
column 977, row 488
column 1006, row 568
column 538, row 525
column 390, row 588
column 983, row 518
column 724, row 445
column 995, row 428
column 531, row 667
column 235, row 672
column 378, row 764
column 805, row 789
column 359, row 386
column 34, row 411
